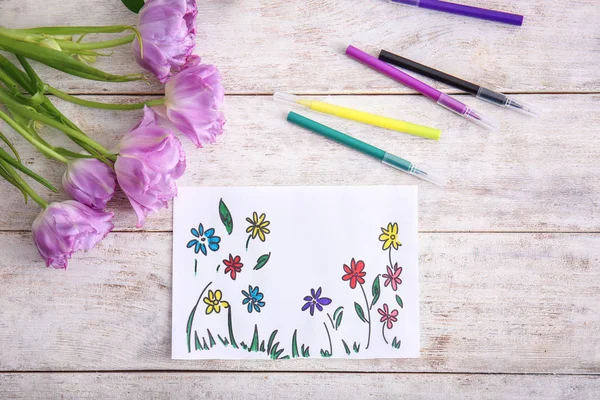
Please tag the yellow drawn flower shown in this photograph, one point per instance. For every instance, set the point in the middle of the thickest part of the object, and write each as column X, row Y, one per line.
column 214, row 303
column 258, row 226
column 389, row 237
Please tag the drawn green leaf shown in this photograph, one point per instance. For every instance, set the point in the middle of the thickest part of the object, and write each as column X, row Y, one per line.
column 224, row 341
column 285, row 358
column 133, row 5
column 336, row 312
column 271, row 339
column 225, row 217
column 360, row 312
column 295, row 345
column 255, row 339
column 276, row 355
column 346, row 347
column 399, row 301
column 230, row 328
column 211, row 339
column 356, row 347
column 262, row 261
column 338, row 320
column 197, row 341
column 188, row 329
column 262, row 346
column 375, row 291
column 204, row 343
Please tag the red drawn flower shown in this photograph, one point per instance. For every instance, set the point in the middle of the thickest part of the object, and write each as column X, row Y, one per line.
column 234, row 266
column 387, row 316
column 393, row 277
column 354, row 273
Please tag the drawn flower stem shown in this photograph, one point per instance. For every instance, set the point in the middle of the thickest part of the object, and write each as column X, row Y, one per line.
column 368, row 315
column 391, row 264
column 328, row 337
column 248, row 241
column 190, row 321
column 230, row 326
column 383, row 333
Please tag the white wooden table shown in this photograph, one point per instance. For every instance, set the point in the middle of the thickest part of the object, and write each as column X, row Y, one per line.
column 510, row 250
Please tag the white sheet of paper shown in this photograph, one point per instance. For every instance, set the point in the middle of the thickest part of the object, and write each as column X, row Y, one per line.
column 312, row 234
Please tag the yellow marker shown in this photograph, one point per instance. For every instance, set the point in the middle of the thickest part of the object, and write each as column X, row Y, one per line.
column 361, row 116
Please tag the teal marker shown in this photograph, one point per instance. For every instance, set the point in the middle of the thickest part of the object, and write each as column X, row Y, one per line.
column 384, row 157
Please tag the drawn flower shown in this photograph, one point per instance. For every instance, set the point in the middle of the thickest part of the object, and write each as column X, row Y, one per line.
column 204, row 238
column 393, row 277
column 254, row 299
column 258, row 226
column 234, row 266
column 214, row 302
column 387, row 316
column 354, row 273
column 389, row 237
column 315, row 300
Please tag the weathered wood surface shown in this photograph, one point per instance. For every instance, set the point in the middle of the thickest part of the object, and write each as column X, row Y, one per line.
column 490, row 303
column 263, row 45
column 534, row 175
column 326, row 386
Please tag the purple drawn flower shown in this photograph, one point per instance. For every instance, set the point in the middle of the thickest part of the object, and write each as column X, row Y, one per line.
column 315, row 300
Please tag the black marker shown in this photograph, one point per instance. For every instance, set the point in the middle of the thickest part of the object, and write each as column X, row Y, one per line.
column 478, row 91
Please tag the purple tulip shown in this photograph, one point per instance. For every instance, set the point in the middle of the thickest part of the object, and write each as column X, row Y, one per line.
column 90, row 182
column 192, row 101
column 168, row 31
column 150, row 159
column 67, row 227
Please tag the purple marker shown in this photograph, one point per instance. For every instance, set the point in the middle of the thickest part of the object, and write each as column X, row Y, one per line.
column 442, row 99
column 468, row 11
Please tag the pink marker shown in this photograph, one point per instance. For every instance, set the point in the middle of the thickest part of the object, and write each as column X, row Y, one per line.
column 441, row 98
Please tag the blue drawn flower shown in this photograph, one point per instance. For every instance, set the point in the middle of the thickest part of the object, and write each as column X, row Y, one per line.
column 207, row 237
column 254, row 299
column 315, row 300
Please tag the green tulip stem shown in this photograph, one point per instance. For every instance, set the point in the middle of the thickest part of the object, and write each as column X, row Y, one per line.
column 106, row 106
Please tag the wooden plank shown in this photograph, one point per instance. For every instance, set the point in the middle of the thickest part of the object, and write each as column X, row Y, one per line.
column 330, row 386
column 264, row 45
column 534, row 175
column 491, row 303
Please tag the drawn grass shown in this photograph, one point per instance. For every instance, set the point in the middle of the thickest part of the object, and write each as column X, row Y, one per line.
column 255, row 340
column 346, row 348
column 224, row 341
column 396, row 343
column 295, row 353
column 305, row 351
column 356, row 347
column 211, row 339
column 197, row 344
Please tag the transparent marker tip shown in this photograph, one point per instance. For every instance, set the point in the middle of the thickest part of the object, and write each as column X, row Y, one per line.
column 522, row 107
column 481, row 120
column 419, row 173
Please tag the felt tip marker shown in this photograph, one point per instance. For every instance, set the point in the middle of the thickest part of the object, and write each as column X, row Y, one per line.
column 365, row 148
column 467, row 11
column 360, row 116
column 480, row 92
column 442, row 99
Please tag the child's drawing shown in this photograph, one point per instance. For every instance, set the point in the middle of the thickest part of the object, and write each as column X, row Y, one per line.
column 235, row 308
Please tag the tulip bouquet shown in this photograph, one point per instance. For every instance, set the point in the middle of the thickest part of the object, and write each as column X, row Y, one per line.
column 146, row 161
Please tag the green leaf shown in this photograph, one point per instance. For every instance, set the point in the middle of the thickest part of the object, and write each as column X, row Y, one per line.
column 10, row 146
column 17, row 165
column 399, row 301
column 295, row 345
column 133, row 5
column 226, row 218
column 360, row 312
column 188, row 329
column 337, row 311
column 375, row 291
column 262, row 261
column 262, row 346
column 346, row 347
column 338, row 320
column 356, row 347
